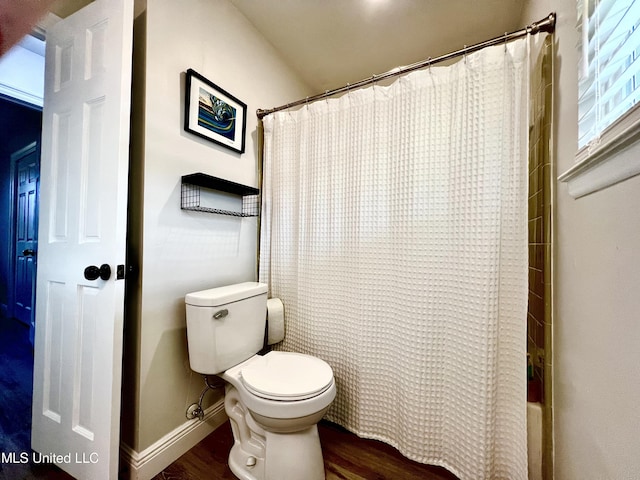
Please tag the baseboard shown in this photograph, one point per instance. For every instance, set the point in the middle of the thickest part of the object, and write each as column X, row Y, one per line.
column 152, row 460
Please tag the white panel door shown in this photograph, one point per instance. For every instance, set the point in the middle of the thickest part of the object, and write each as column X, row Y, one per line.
column 85, row 138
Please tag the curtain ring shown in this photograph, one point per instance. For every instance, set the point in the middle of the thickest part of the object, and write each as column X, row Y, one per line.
column 505, row 42
column 429, row 60
column 465, row 54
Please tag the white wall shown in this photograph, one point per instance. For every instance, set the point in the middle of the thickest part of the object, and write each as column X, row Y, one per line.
column 596, row 352
column 186, row 251
column 22, row 71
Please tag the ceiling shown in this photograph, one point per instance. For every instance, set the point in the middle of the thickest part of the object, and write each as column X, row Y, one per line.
column 64, row 8
column 330, row 43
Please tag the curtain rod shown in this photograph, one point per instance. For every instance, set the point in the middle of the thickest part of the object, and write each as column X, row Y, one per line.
column 547, row 24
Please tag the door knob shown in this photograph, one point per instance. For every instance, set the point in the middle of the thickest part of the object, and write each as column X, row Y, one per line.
column 93, row 273
column 28, row 253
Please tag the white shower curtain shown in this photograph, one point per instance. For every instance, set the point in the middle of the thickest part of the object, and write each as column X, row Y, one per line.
column 394, row 229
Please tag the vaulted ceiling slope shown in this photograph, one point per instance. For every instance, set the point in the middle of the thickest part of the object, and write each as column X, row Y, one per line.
column 330, row 43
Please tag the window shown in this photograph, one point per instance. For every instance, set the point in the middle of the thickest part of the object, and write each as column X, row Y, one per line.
column 608, row 95
column 609, row 77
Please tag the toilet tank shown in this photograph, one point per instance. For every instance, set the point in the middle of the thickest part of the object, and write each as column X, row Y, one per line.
column 225, row 325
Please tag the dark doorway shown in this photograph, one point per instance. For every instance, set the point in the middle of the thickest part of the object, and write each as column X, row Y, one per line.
column 20, row 130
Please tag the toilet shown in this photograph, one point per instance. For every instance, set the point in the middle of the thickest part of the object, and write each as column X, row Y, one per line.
column 274, row 401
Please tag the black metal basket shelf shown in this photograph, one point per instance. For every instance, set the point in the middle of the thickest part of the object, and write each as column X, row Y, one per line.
column 190, row 195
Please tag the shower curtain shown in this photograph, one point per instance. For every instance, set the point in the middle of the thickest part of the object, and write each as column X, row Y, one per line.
column 394, row 229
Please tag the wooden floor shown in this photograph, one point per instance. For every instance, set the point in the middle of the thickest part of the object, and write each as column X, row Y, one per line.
column 346, row 457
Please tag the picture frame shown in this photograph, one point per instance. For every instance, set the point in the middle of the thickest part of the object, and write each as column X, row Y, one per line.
column 213, row 113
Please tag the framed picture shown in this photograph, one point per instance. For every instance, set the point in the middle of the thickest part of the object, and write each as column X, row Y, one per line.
column 212, row 113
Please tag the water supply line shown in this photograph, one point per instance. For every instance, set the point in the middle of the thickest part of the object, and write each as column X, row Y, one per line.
column 195, row 409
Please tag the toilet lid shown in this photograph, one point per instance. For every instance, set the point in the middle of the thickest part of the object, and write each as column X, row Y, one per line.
column 287, row 376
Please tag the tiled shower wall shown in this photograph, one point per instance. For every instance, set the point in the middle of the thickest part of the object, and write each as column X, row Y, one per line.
column 540, row 202
column 541, row 172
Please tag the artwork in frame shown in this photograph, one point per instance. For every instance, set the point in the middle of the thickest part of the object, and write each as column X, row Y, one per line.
column 213, row 113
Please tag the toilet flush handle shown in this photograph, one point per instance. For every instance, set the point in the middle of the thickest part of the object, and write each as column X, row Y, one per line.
column 220, row 314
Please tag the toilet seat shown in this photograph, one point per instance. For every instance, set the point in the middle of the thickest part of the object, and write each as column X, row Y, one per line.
column 287, row 376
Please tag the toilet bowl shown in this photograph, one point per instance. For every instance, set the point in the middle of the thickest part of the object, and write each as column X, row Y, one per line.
column 274, row 413
column 274, row 401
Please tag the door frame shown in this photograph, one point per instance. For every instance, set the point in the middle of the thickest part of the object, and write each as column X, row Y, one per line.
column 11, row 251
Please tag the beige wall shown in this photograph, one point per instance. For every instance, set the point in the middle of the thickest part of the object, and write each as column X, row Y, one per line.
column 184, row 251
column 597, row 305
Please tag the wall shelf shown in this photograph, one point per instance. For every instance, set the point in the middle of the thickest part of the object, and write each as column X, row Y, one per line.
column 193, row 183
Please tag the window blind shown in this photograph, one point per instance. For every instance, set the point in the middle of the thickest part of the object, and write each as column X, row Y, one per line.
column 609, row 75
